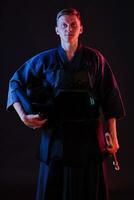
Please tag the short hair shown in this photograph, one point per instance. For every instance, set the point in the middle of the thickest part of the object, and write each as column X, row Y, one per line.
column 68, row 11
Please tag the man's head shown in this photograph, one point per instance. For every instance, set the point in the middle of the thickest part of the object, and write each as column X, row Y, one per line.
column 68, row 11
column 68, row 25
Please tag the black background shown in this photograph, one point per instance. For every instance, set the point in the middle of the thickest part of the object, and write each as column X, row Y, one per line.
column 27, row 28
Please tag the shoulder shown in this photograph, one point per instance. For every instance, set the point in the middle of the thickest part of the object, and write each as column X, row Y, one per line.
column 37, row 62
column 92, row 52
column 95, row 56
column 43, row 56
column 95, row 59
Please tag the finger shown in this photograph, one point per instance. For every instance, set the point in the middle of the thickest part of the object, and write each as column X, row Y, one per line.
column 36, row 116
column 37, row 127
column 44, row 120
column 40, row 119
column 112, row 150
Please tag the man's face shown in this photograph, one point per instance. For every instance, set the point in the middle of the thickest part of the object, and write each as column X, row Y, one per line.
column 69, row 28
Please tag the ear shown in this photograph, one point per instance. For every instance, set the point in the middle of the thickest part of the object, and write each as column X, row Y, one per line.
column 56, row 30
column 81, row 29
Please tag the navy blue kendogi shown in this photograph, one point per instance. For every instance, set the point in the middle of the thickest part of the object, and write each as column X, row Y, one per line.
column 72, row 95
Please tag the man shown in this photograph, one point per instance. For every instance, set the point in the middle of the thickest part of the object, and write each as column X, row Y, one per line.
column 63, row 92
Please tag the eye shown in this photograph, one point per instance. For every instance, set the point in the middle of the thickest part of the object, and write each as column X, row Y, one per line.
column 64, row 25
column 73, row 25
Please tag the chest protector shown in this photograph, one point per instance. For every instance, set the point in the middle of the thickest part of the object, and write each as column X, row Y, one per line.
column 74, row 99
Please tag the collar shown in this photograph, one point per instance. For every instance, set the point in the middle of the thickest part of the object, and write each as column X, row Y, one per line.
column 63, row 55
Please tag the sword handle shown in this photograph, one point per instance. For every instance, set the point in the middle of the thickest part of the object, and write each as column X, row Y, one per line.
column 114, row 157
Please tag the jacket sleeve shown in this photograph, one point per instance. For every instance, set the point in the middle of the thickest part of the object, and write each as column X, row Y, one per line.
column 17, row 87
column 111, row 100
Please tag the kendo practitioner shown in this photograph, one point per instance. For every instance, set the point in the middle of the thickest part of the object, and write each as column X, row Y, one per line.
column 64, row 92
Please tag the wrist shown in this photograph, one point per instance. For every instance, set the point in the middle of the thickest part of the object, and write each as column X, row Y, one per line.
column 23, row 117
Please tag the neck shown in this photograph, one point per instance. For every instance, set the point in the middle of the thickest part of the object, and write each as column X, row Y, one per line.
column 69, row 48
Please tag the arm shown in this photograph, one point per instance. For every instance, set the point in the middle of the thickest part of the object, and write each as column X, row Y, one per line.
column 18, row 98
column 113, row 133
column 111, row 101
column 31, row 120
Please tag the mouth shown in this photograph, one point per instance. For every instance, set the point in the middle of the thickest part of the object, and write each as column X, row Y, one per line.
column 69, row 35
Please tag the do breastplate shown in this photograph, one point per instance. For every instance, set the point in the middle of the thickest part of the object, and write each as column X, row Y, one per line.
column 73, row 97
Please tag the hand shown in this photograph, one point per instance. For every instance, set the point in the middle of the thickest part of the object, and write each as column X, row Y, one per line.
column 112, row 147
column 112, row 143
column 34, row 121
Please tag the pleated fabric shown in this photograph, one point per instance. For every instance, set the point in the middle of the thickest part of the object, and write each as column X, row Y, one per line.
column 59, row 182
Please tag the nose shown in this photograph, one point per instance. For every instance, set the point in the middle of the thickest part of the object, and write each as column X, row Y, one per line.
column 69, row 28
